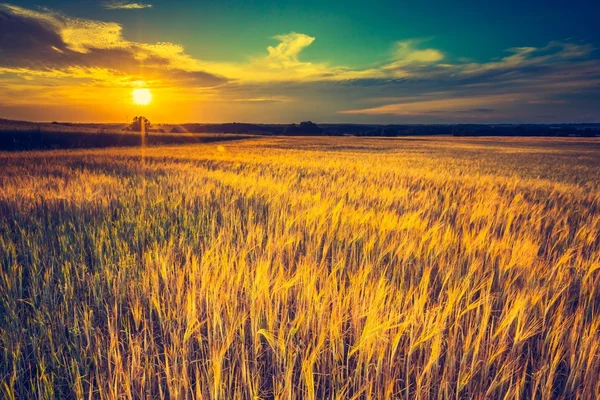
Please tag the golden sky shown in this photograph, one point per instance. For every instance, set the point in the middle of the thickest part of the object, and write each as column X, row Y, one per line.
column 54, row 66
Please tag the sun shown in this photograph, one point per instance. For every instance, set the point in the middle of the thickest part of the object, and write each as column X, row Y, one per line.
column 141, row 96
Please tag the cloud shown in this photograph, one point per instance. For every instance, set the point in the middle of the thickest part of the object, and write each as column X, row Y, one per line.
column 283, row 63
column 449, row 104
column 476, row 110
column 406, row 52
column 77, row 35
column 126, row 6
column 49, row 44
column 417, row 82
column 48, row 40
column 521, row 57
column 259, row 100
column 289, row 47
column 53, row 40
column 512, row 86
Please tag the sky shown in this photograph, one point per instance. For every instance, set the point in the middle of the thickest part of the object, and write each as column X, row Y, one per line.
column 289, row 61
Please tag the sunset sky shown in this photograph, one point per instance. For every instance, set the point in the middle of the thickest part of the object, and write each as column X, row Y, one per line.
column 288, row 61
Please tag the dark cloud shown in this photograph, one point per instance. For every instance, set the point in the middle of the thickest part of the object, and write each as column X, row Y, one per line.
column 28, row 43
column 197, row 78
column 469, row 111
column 31, row 44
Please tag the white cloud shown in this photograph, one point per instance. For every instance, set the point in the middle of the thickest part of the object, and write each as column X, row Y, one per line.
column 406, row 52
column 289, row 47
column 126, row 6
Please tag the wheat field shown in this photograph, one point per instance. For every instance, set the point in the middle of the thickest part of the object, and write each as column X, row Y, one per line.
column 329, row 268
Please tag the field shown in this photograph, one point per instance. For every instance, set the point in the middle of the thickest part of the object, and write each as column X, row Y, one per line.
column 338, row 268
column 23, row 136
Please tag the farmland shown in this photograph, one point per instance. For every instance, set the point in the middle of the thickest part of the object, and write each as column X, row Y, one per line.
column 284, row 267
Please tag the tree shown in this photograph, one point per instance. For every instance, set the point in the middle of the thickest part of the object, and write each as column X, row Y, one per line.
column 137, row 124
column 309, row 128
column 291, row 129
column 305, row 128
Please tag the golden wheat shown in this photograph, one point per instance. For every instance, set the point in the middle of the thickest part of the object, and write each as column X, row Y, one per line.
column 303, row 268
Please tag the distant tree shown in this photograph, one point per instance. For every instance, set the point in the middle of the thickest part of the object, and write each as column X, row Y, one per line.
column 309, row 128
column 389, row 131
column 290, row 129
column 305, row 128
column 136, row 125
column 587, row 133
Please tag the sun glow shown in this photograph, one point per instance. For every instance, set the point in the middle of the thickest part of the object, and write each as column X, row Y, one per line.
column 141, row 96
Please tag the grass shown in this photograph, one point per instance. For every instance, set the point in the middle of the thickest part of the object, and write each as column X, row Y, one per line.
column 303, row 268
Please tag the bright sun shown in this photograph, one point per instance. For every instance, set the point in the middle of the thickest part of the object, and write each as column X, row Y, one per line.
column 142, row 97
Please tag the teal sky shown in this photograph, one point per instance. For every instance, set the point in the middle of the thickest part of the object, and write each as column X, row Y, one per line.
column 470, row 36
column 349, row 32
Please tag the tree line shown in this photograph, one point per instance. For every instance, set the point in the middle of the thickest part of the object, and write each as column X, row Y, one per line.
column 309, row 128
